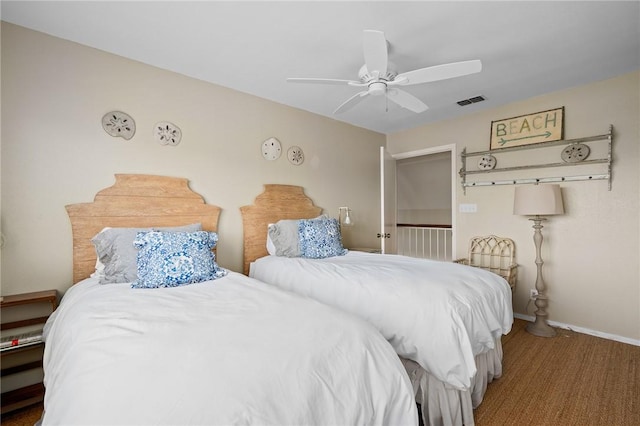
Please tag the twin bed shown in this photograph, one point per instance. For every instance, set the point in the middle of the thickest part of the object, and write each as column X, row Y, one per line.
column 238, row 350
column 226, row 351
column 444, row 320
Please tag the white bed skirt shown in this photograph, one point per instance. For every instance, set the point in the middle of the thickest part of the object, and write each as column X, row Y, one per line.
column 443, row 405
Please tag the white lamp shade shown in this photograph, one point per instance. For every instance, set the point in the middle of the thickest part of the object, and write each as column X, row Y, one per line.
column 538, row 200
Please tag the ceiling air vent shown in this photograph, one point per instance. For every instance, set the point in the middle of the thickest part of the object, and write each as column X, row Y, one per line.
column 471, row 100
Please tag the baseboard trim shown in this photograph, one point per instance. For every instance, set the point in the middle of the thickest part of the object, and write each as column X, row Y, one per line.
column 583, row 330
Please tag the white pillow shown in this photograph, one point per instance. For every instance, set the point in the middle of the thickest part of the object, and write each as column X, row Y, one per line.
column 99, row 272
column 271, row 248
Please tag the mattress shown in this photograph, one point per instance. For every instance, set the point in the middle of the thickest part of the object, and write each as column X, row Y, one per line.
column 438, row 314
column 229, row 351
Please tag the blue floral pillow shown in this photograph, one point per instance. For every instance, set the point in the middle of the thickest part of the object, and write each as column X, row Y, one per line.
column 320, row 238
column 176, row 258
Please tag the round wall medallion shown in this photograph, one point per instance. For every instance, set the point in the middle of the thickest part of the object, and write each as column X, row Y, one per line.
column 487, row 162
column 271, row 149
column 167, row 133
column 295, row 155
column 119, row 125
column 575, row 153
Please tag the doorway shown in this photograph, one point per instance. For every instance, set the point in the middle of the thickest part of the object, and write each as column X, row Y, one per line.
column 425, row 202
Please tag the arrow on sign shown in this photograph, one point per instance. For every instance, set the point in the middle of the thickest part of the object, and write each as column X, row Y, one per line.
column 502, row 141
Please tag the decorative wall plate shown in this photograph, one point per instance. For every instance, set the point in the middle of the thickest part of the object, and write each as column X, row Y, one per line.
column 487, row 162
column 295, row 155
column 167, row 133
column 271, row 149
column 575, row 153
column 119, row 124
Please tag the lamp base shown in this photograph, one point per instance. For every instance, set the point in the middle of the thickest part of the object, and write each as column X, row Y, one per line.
column 540, row 328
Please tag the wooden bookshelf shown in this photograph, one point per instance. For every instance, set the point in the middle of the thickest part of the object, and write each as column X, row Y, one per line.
column 31, row 394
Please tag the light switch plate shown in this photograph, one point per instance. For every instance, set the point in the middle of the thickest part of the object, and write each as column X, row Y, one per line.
column 468, row 208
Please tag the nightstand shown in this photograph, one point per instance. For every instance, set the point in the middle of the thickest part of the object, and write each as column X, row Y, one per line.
column 24, row 349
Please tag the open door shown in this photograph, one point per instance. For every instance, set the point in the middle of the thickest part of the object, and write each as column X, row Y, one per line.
column 387, row 235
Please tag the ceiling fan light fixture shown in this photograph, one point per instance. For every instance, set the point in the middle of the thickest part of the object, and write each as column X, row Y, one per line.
column 377, row 88
column 365, row 76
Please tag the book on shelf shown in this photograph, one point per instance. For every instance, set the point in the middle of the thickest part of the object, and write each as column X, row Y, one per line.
column 19, row 340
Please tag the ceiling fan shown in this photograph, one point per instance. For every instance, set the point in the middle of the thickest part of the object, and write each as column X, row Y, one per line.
column 380, row 76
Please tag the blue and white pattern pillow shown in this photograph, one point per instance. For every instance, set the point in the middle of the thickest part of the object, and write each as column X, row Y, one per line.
column 176, row 258
column 115, row 250
column 320, row 238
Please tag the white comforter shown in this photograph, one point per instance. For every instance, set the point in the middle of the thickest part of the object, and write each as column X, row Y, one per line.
column 439, row 314
column 231, row 351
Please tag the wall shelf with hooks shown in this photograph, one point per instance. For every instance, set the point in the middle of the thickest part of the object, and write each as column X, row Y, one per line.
column 575, row 153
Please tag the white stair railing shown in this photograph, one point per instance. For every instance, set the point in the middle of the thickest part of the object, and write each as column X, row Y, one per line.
column 426, row 242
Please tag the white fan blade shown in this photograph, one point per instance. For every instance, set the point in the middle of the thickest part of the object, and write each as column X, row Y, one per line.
column 439, row 72
column 375, row 52
column 406, row 100
column 351, row 102
column 321, row 81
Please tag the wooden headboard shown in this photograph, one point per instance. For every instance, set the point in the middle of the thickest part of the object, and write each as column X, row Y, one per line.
column 275, row 203
column 135, row 201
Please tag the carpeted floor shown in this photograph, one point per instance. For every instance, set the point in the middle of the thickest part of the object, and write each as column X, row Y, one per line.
column 570, row 380
column 27, row 416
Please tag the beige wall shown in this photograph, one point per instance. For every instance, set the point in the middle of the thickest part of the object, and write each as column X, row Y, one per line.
column 424, row 189
column 55, row 152
column 591, row 254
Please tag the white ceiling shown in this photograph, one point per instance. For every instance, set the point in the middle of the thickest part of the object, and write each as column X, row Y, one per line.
column 526, row 48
